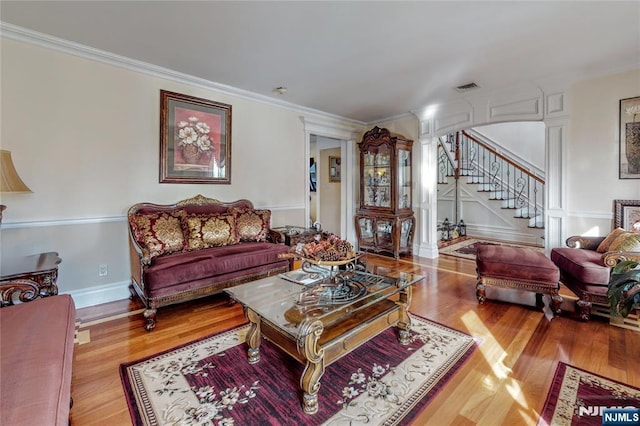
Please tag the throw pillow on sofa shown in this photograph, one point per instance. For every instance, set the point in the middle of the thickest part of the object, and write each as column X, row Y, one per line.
column 159, row 233
column 252, row 224
column 603, row 247
column 628, row 241
column 212, row 230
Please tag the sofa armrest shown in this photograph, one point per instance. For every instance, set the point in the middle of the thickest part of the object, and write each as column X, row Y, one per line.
column 137, row 260
column 24, row 290
column 581, row 242
column 275, row 237
column 612, row 258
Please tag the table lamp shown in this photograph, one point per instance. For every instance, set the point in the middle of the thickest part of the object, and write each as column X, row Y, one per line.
column 10, row 181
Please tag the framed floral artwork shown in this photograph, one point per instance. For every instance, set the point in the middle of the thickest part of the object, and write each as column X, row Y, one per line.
column 627, row 215
column 630, row 138
column 195, row 140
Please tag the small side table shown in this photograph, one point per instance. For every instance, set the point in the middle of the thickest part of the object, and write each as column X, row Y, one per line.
column 41, row 268
column 297, row 234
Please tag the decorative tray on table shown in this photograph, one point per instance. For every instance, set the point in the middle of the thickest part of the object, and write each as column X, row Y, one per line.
column 323, row 260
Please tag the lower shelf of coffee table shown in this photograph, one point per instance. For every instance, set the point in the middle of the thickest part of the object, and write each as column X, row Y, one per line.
column 344, row 336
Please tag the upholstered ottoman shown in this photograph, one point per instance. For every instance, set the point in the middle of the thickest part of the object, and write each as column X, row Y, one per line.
column 520, row 268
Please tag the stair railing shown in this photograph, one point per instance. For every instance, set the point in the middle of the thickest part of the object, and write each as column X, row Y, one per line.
column 462, row 154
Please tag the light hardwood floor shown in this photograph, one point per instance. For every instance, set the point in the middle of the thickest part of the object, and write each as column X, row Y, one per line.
column 504, row 382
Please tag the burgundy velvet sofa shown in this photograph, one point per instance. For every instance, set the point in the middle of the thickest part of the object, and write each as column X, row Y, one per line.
column 585, row 267
column 198, row 247
column 36, row 355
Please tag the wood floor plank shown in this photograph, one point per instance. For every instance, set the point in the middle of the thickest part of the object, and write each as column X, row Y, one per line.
column 504, row 382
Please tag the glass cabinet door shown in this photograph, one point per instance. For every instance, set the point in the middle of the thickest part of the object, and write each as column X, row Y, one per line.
column 377, row 177
column 404, row 179
column 365, row 225
column 384, row 233
column 406, row 231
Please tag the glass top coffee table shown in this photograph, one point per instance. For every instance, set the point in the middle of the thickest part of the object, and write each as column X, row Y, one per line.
column 319, row 322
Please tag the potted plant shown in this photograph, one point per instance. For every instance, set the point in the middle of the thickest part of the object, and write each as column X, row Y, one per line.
column 624, row 288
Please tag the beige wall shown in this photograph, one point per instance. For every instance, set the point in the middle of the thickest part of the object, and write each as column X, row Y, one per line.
column 84, row 136
column 593, row 150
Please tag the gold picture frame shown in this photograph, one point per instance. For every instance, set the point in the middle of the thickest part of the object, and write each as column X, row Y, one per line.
column 195, row 140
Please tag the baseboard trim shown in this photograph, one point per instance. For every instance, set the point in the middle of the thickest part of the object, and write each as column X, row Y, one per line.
column 427, row 251
column 99, row 295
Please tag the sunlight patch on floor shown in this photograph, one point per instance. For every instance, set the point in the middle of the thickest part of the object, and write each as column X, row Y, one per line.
column 495, row 356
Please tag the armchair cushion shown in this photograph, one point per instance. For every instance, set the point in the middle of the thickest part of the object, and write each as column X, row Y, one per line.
column 585, row 266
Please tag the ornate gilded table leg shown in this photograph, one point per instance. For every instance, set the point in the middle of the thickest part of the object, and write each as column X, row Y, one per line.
column 314, row 369
column 253, row 336
column 404, row 323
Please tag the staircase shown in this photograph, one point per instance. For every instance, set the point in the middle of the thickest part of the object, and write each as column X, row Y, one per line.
column 507, row 190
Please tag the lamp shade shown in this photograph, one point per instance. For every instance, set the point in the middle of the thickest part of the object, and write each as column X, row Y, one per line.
column 9, row 179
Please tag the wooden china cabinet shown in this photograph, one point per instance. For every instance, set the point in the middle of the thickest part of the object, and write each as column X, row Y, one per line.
column 385, row 221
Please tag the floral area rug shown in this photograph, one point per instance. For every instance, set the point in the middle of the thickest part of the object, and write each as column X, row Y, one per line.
column 468, row 248
column 578, row 397
column 209, row 382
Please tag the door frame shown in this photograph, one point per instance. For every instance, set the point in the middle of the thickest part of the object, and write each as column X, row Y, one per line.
column 347, row 133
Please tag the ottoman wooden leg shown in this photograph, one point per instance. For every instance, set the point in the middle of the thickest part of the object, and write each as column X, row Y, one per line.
column 556, row 304
column 150, row 315
column 480, row 292
column 584, row 306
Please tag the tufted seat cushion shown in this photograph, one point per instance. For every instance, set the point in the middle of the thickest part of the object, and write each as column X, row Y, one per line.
column 168, row 273
column 514, row 263
column 586, row 266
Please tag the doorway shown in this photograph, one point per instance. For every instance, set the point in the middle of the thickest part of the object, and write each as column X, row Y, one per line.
column 325, row 203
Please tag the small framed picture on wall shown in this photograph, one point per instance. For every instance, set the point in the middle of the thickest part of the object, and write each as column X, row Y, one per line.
column 334, row 169
column 630, row 138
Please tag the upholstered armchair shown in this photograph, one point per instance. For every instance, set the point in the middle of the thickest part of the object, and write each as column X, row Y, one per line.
column 585, row 265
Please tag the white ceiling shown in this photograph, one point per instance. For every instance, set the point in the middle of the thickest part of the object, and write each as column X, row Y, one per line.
column 361, row 60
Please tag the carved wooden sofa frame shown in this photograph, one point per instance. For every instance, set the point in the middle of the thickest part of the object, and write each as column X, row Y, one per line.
column 139, row 262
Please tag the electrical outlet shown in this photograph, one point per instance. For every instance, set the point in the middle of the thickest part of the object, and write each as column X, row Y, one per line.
column 103, row 271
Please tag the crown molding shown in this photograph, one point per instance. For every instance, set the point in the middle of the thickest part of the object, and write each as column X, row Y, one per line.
column 17, row 33
column 408, row 114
